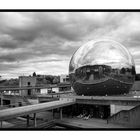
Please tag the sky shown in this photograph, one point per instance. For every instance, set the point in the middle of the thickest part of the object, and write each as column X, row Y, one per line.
column 44, row 42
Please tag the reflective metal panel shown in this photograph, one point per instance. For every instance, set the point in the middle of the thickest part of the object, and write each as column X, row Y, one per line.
column 102, row 62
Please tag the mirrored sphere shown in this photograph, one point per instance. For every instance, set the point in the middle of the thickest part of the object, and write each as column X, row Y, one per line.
column 102, row 67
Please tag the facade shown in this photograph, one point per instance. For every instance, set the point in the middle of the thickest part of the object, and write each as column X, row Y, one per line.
column 49, row 90
column 44, row 91
column 64, row 78
column 25, row 81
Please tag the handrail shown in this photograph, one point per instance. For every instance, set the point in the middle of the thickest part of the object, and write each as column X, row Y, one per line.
column 30, row 109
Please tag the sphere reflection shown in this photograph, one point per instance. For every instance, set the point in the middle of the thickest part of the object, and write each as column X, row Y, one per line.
column 102, row 67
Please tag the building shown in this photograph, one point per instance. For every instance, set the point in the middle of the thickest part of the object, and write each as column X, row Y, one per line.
column 49, row 90
column 64, row 78
column 27, row 81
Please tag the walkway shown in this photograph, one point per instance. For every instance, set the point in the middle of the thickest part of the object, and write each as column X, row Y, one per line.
column 92, row 123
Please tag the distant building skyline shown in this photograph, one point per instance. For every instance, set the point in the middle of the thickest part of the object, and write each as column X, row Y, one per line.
column 45, row 41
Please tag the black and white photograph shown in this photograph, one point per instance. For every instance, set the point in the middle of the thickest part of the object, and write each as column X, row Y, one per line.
column 69, row 70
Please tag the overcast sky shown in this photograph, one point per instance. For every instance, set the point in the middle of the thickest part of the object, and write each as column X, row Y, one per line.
column 44, row 42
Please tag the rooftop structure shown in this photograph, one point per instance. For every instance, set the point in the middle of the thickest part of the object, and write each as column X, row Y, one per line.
column 27, row 81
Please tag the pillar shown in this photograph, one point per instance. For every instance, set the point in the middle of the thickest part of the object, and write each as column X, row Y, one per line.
column 61, row 116
column 0, row 124
column 28, row 120
column 1, row 99
column 35, row 123
column 52, row 114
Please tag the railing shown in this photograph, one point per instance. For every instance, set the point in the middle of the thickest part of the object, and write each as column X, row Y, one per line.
column 32, row 87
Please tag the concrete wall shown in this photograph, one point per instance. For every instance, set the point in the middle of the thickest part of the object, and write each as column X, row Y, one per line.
column 127, row 117
column 33, row 101
column 24, row 81
column 47, row 99
column 14, row 101
column 136, row 86
column 117, row 108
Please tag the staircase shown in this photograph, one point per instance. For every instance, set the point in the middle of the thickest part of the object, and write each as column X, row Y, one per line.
column 127, row 117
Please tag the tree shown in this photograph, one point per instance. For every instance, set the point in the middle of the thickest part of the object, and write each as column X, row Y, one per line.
column 55, row 80
column 123, row 70
column 34, row 74
column 49, row 78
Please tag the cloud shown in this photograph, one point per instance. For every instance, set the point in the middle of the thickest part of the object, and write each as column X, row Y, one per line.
column 45, row 41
